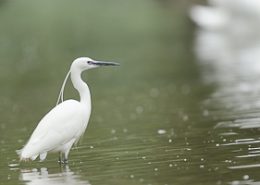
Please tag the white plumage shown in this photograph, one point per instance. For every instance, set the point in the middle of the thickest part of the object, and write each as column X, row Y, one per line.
column 64, row 124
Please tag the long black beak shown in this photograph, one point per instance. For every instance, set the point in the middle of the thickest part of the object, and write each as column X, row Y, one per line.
column 102, row 63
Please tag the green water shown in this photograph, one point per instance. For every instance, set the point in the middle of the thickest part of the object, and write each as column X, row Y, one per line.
column 155, row 121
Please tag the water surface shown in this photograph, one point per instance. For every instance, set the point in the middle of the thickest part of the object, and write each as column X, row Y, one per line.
column 168, row 115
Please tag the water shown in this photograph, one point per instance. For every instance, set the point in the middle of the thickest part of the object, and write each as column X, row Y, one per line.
column 168, row 115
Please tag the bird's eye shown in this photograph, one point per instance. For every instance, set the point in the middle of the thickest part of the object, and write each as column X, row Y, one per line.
column 89, row 62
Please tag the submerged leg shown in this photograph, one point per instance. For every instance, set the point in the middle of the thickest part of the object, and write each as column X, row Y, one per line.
column 67, row 151
column 60, row 157
column 66, row 156
column 63, row 160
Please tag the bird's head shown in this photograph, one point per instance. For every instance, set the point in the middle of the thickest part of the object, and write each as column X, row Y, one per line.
column 84, row 63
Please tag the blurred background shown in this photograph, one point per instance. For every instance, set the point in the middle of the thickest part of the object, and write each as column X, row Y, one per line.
column 183, row 107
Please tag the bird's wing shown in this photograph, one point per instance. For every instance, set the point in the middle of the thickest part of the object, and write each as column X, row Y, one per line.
column 56, row 128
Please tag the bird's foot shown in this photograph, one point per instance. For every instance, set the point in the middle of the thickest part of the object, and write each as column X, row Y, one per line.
column 65, row 161
column 60, row 160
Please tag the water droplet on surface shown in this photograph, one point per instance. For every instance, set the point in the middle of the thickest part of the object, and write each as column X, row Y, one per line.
column 246, row 177
column 91, row 147
column 139, row 110
column 205, row 113
column 154, row 92
column 170, row 165
column 156, row 169
column 185, row 118
column 201, row 166
column 228, row 161
column 115, row 138
column 170, row 140
column 113, row 131
column 161, row 131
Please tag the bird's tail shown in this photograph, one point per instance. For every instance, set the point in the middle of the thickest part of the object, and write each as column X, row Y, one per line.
column 24, row 157
column 19, row 153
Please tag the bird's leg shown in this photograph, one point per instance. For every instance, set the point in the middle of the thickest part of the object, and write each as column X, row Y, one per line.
column 65, row 161
column 66, row 156
column 60, row 157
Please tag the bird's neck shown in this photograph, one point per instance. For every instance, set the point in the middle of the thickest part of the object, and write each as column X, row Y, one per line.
column 81, row 86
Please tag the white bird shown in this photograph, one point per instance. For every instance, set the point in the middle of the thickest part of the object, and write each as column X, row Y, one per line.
column 66, row 122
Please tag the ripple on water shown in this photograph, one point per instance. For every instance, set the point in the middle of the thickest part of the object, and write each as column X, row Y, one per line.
column 13, row 165
column 234, row 107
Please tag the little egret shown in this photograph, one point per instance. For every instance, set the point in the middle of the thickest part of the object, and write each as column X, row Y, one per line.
column 66, row 122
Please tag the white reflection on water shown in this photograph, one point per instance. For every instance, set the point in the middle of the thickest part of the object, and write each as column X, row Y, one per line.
column 43, row 177
column 229, row 57
column 235, row 16
column 227, row 45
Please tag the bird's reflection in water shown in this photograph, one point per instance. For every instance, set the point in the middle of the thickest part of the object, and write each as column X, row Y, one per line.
column 42, row 177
